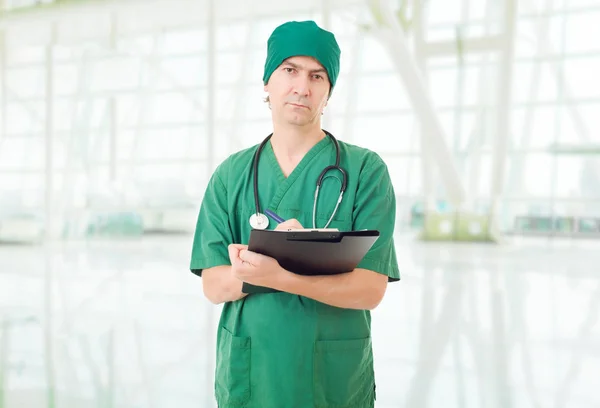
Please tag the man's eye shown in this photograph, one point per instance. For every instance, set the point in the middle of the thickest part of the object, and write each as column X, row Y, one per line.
column 289, row 70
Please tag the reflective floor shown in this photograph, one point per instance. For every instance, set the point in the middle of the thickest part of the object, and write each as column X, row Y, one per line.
column 124, row 325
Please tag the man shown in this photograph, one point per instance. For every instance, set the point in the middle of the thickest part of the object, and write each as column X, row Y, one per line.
column 307, row 344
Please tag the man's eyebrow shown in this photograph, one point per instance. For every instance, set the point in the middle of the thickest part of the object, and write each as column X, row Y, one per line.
column 296, row 66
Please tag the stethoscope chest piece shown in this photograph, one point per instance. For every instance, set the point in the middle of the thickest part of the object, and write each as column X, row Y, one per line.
column 259, row 221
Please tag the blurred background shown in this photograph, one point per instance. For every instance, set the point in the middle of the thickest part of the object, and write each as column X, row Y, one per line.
column 113, row 115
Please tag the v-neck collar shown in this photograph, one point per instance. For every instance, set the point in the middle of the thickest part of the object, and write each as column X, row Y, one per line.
column 316, row 149
column 285, row 183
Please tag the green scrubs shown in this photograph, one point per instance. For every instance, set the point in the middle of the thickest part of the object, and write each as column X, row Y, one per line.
column 279, row 350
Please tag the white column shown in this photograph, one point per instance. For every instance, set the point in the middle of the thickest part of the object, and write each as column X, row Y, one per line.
column 3, row 87
column 48, row 324
column 428, row 299
column 4, row 344
column 49, row 212
column 112, row 154
column 504, row 102
column 112, row 109
column 480, row 127
column 49, row 134
column 426, row 155
column 503, row 397
column 326, row 4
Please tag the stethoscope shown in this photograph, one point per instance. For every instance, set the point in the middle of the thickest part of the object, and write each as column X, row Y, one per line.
column 260, row 221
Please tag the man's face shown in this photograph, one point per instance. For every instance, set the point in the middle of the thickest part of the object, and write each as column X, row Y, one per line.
column 298, row 91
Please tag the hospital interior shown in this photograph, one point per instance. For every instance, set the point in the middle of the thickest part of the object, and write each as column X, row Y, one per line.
column 115, row 113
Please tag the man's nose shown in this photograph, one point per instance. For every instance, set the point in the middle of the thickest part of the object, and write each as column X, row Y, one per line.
column 302, row 85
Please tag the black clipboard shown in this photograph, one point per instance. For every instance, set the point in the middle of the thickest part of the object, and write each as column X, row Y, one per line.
column 311, row 252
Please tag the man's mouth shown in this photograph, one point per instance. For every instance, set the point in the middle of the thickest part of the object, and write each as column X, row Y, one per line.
column 298, row 105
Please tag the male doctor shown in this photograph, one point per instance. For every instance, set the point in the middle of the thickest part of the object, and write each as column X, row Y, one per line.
column 309, row 343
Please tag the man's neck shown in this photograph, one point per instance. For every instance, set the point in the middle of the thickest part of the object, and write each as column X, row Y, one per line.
column 291, row 143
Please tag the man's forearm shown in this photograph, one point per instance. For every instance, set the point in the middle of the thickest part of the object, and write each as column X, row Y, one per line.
column 359, row 289
column 221, row 286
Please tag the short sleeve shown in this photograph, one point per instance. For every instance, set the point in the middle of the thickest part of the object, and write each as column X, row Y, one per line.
column 213, row 234
column 375, row 209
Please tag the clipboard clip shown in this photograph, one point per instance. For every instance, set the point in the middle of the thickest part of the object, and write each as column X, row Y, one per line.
column 314, row 236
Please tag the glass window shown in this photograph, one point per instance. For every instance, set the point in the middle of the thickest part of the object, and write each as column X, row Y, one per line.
column 17, row 187
column 539, row 36
column 166, row 143
column 442, row 86
column 381, row 93
column 440, row 11
column 393, row 133
column 234, row 35
column 177, row 73
column 26, row 82
column 139, row 45
column 172, row 107
column 473, row 78
column 533, row 82
column 25, row 117
column 184, row 41
column 581, row 77
column 20, row 153
column 76, row 27
column 481, row 175
column 25, row 54
column 534, row 127
column 583, row 31
column 67, row 79
column 249, row 133
column 533, row 175
column 374, row 57
column 405, row 173
column 63, row 146
column 471, row 133
column 588, row 114
column 229, row 67
column 113, row 74
column 251, row 103
column 576, row 177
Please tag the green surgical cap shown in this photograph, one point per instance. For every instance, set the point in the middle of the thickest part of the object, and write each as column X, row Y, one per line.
column 303, row 38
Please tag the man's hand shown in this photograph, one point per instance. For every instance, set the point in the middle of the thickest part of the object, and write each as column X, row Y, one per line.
column 253, row 268
column 290, row 224
column 220, row 285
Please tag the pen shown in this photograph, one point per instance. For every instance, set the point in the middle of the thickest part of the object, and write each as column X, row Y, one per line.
column 274, row 216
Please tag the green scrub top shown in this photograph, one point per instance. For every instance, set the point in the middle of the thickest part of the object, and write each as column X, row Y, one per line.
column 279, row 350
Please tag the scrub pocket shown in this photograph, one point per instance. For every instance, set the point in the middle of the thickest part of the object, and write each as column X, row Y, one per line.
column 343, row 373
column 232, row 376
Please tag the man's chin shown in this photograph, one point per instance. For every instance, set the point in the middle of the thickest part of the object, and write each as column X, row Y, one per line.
column 297, row 117
column 299, row 120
